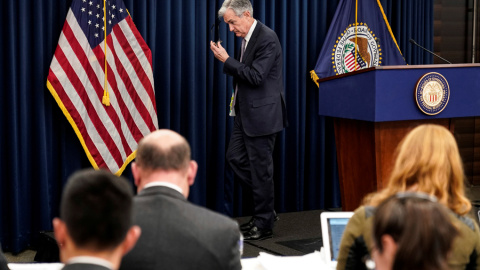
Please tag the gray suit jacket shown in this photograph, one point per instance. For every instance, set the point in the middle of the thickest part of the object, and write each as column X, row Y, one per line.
column 177, row 234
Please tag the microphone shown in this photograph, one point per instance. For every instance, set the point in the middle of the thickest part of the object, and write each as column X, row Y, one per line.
column 425, row 49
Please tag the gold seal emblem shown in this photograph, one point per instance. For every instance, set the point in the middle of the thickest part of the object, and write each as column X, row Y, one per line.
column 432, row 93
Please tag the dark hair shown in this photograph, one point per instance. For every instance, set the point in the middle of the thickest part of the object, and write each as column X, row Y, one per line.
column 420, row 226
column 96, row 207
column 154, row 157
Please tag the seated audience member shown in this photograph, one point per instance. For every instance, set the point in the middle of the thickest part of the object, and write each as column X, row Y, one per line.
column 94, row 230
column 412, row 231
column 176, row 234
column 428, row 161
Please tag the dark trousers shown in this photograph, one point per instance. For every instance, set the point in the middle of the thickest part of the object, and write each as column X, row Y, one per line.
column 251, row 160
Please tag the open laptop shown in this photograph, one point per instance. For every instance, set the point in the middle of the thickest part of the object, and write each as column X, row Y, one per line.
column 333, row 225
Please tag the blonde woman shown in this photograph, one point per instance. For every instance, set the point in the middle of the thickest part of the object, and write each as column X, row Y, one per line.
column 427, row 161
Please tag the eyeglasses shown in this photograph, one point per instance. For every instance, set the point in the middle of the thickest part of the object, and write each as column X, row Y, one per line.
column 212, row 33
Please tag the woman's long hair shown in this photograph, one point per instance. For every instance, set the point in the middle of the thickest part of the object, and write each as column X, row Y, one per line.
column 428, row 160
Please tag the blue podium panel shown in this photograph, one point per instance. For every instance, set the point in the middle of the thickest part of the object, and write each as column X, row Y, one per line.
column 383, row 94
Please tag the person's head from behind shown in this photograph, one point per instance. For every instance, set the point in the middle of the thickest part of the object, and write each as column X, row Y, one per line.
column 238, row 14
column 428, row 160
column 96, row 216
column 412, row 231
column 165, row 156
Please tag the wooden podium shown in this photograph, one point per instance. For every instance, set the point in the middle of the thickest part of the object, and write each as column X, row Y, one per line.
column 375, row 108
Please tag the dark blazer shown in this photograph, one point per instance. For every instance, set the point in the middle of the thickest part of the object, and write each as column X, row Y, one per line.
column 260, row 83
column 84, row 266
column 177, row 234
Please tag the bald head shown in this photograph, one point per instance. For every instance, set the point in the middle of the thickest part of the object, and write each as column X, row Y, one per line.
column 163, row 150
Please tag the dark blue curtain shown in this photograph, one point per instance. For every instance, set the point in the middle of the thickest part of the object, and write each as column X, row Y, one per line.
column 412, row 20
column 39, row 149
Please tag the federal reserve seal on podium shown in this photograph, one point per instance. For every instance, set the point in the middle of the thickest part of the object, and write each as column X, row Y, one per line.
column 432, row 93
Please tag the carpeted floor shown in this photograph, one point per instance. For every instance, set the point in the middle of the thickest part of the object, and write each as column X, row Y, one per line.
column 25, row 256
column 295, row 234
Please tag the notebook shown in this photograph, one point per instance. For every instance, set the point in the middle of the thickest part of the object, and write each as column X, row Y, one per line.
column 333, row 224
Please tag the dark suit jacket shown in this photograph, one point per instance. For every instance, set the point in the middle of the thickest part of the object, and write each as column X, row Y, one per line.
column 84, row 266
column 260, row 83
column 177, row 234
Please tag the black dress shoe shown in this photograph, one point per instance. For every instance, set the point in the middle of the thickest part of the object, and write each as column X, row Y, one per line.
column 257, row 234
column 248, row 226
column 245, row 227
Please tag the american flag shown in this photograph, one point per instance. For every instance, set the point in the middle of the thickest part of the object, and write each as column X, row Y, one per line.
column 350, row 62
column 110, row 133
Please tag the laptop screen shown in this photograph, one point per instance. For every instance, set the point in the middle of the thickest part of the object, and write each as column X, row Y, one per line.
column 336, row 226
column 333, row 225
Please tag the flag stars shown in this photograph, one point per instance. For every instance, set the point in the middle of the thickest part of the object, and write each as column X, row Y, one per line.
column 90, row 3
column 97, row 25
column 84, row 1
column 109, row 21
column 90, row 12
column 98, row 15
column 113, row 16
column 83, row 9
column 98, row 6
column 113, row 7
column 121, row 10
column 89, row 22
column 96, row 35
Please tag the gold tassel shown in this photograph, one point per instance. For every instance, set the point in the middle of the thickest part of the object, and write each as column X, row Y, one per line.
column 106, row 98
column 314, row 77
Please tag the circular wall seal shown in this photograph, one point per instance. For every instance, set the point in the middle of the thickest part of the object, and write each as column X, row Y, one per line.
column 432, row 93
column 348, row 57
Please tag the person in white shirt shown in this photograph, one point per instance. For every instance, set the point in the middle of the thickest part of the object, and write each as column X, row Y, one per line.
column 95, row 229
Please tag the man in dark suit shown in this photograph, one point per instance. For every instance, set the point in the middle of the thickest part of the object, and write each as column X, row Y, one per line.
column 176, row 234
column 259, row 108
column 94, row 229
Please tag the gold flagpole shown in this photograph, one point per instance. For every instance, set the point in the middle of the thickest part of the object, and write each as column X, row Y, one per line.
column 106, row 98
column 356, row 25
